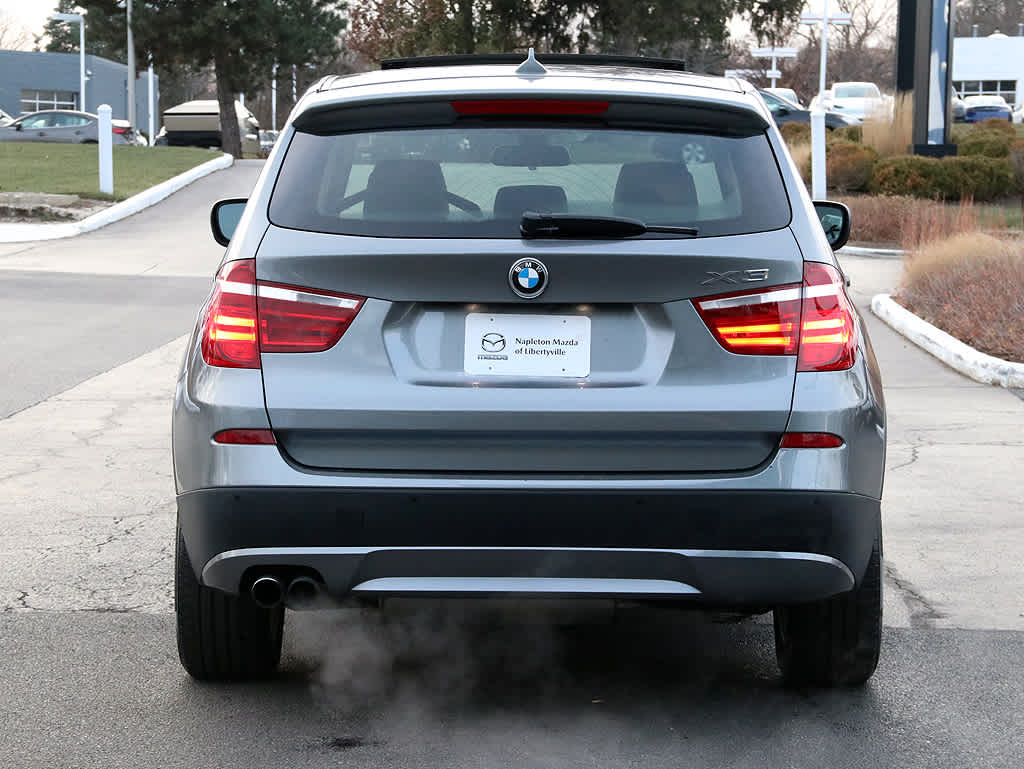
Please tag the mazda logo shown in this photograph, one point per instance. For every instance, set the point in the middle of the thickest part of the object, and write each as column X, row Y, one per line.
column 492, row 342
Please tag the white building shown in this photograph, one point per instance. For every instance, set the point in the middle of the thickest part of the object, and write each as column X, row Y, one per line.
column 992, row 65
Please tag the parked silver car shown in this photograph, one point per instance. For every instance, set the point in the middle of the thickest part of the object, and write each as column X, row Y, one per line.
column 63, row 126
column 485, row 327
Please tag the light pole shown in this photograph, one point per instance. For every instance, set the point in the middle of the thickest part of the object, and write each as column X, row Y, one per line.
column 818, row 182
column 80, row 18
column 127, row 5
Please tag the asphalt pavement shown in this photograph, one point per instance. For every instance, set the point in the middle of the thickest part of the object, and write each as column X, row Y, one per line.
column 89, row 676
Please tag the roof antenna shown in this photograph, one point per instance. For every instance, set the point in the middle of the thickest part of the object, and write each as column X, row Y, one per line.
column 531, row 66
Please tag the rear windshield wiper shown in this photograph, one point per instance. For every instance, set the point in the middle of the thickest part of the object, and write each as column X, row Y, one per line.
column 534, row 225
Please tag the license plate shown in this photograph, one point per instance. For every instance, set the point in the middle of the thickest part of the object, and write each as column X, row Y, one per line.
column 527, row 345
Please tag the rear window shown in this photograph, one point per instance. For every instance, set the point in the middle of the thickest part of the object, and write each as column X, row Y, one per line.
column 868, row 91
column 475, row 181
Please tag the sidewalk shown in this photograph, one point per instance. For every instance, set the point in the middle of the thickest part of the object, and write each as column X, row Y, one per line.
column 953, row 505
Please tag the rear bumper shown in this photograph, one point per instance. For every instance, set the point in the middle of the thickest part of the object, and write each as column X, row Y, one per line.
column 723, row 548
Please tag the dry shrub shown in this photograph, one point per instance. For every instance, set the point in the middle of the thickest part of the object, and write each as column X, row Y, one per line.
column 796, row 133
column 938, row 221
column 970, row 286
column 910, row 222
column 801, row 154
column 889, row 138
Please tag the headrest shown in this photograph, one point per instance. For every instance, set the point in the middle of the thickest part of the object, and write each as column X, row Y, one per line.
column 510, row 202
column 406, row 186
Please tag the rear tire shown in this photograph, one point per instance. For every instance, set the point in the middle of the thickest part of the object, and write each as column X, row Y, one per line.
column 834, row 642
column 222, row 637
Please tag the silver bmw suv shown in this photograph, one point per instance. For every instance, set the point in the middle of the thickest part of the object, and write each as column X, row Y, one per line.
column 493, row 327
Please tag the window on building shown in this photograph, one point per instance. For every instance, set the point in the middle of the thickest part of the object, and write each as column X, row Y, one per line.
column 1005, row 88
column 34, row 100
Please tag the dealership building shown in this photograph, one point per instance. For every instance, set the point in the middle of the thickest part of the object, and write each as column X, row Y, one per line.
column 992, row 65
column 35, row 80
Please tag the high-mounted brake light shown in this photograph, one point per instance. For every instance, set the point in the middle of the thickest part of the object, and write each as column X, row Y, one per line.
column 529, row 107
column 813, row 320
column 245, row 317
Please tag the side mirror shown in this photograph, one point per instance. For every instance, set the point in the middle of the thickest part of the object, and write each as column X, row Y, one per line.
column 17, row 127
column 224, row 218
column 835, row 220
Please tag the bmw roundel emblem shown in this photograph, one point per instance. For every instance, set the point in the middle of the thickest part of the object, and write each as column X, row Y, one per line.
column 528, row 278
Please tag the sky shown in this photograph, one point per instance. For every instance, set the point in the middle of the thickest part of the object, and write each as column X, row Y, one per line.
column 30, row 13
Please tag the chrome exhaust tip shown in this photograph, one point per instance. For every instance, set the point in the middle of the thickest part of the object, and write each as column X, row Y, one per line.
column 267, row 592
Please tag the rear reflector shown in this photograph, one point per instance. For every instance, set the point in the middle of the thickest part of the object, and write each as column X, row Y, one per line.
column 244, row 318
column 530, row 107
column 245, row 437
column 813, row 320
column 810, row 441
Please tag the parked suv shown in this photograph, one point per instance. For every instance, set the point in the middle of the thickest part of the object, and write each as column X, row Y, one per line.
column 489, row 327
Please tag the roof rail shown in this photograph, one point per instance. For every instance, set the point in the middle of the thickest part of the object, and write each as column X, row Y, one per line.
column 582, row 59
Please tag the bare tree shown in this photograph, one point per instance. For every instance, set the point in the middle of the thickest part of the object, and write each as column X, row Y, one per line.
column 14, row 36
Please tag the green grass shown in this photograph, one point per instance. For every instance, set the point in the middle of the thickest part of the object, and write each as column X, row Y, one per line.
column 73, row 168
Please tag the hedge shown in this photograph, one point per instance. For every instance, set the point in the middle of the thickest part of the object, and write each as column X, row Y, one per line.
column 990, row 143
column 952, row 178
column 849, row 167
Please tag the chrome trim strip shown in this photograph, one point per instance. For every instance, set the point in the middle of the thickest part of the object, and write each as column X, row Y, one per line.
column 299, row 552
column 593, row 585
column 234, row 287
column 294, row 295
column 784, row 295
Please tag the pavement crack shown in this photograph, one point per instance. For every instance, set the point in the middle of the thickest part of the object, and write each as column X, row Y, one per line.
column 922, row 613
column 913, row 458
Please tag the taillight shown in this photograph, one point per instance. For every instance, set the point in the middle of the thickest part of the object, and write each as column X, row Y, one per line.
column 827, row 340
column 229, row 327
column 758, row 322
column 244, row 318
column 813, row 320
column 120, row 130
column 296, row 319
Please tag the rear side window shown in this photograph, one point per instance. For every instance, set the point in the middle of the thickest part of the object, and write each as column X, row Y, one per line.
column 474, row 180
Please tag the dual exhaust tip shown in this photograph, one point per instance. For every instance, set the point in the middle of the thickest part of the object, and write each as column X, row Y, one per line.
column 269, row 592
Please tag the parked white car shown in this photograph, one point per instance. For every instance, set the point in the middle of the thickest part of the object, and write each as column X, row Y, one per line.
column 786, row 93
column 1018, row 114
column 858, row 101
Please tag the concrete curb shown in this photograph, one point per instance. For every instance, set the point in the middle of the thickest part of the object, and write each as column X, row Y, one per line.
column 23, row 233
column 950, row 350
column 877, row 253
